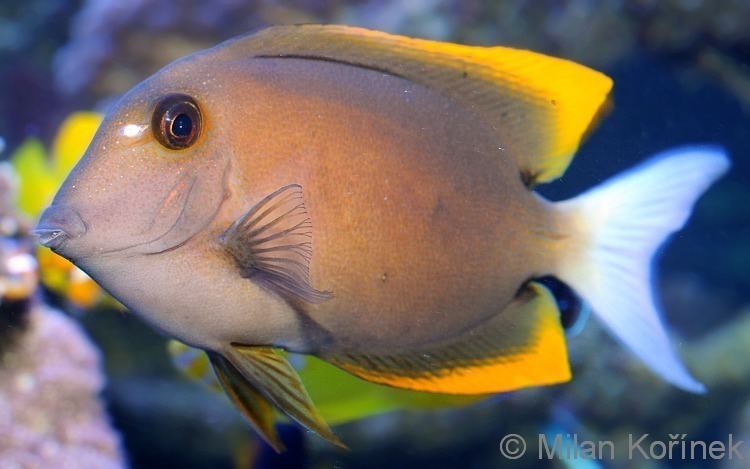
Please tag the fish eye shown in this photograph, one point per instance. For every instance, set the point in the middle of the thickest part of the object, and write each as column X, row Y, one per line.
column 176, row 122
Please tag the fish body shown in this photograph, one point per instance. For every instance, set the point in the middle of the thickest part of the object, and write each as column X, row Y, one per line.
column 435, row 221
column 392, row 225
column 368, row 199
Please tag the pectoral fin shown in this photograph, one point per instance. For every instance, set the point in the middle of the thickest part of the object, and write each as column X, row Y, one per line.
column 272, row 245
column 267, row 371
column 523, row 345
column 248, row 399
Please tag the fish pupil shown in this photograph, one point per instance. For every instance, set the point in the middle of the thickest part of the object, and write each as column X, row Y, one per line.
column 182, row 126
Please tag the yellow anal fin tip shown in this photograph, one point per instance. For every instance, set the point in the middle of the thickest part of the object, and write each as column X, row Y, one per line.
column 248, row 400
column 278, row 381
column 522, row 346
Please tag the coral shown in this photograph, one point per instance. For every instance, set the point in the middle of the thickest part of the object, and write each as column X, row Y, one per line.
column 50, row 378
column 50, row 412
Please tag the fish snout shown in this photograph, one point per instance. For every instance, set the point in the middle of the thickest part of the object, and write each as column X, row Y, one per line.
column 57, row 225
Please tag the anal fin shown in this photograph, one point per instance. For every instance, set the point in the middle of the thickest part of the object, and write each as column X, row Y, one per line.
column 523, row 345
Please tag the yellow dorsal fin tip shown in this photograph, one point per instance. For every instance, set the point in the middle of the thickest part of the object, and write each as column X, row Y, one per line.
column 556, row 100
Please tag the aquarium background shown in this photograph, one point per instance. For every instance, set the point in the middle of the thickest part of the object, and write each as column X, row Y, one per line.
column 85, row 384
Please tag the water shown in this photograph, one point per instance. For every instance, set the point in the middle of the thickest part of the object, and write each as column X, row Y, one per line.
column 682, row 76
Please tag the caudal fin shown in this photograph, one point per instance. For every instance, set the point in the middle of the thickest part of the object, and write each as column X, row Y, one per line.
column 617, row 227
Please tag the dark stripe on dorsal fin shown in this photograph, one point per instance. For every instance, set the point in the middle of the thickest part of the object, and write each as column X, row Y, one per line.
column 539, row 106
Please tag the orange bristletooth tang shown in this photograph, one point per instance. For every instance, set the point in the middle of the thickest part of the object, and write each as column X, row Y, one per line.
column 369, row 199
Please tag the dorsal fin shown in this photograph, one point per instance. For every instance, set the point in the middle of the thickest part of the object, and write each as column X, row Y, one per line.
column 540, row 106
column 523, row 345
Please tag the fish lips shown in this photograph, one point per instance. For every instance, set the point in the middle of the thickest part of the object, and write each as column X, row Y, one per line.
column 57, row 225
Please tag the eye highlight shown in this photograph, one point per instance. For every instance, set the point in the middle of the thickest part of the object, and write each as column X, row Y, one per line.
column 176, row 122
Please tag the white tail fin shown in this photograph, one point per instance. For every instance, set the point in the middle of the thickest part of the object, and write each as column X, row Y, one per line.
column 618, row 227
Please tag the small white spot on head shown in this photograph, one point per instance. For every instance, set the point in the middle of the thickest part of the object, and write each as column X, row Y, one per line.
column 133, row 130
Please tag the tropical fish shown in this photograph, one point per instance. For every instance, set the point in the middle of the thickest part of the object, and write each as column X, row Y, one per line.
column 339, row 396
column 368, row 199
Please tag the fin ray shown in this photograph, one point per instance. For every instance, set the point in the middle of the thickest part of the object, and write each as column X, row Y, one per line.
column 540, row 106
column 617, row 228
column 248, row 399
column 523, row 345
column 277, row 380
column 272, row 244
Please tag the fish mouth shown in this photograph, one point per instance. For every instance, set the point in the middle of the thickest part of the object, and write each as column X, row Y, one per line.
column 60, row 224
column 176, row 219
column 50, row 237
column 57, row 225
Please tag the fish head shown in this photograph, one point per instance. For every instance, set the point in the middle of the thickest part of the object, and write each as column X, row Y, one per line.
column 153, row 177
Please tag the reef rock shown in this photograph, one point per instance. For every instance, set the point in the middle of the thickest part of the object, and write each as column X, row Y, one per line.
column 50, row 411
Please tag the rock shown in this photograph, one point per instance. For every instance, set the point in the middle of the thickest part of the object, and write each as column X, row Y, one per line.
column 50, row 411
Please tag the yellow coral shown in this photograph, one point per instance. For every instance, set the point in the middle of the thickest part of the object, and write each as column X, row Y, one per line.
column 73, row 137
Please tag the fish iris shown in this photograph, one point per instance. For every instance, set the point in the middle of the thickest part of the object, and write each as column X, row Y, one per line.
column 176, row 121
